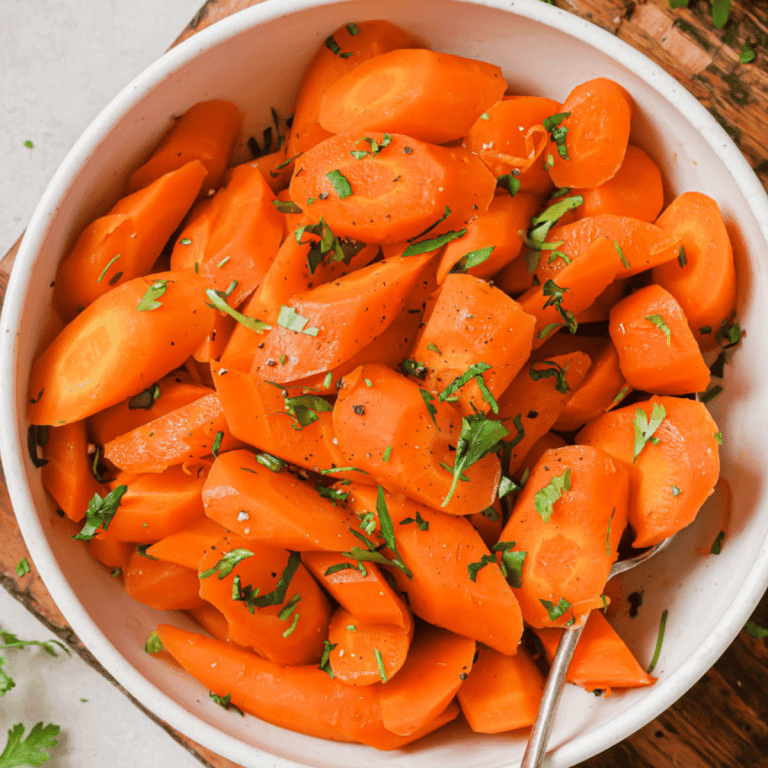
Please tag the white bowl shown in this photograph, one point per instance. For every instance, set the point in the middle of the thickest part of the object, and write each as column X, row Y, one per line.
column 256, row 58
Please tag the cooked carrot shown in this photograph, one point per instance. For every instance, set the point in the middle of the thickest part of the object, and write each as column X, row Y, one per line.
column 189, row 247
column 669, row 479
column 396, row 194
column 544, row 443
column 342, row 52
column 636, row 190
column 599, row 310
column 703, row 280
column 189, row 432
column 596, row 128
column 155, row 505
column 112, row 351
column 274, row 507
column 534, row 400
column 127, row 241
column 569, row 519
column 510, row 138
column 402, row 91
column 473, row 324
column 386, row 430
column 438, row 663
column 366, row 653
column 502, row 693
column 325, row 326
column 492, row 239
column 602, row 660
column 68, row 474
column 206, row 132
column 187, row 545
column 113, row 554
column 488, row 523
column 368, row 596
column 276, row 167
column 213, row 621
column 442, row 590
column 657, row 350
column 163, row 586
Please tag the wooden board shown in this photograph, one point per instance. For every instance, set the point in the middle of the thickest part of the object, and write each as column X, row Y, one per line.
column 723, row 720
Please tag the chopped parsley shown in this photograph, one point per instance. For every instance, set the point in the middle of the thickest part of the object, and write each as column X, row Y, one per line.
column 251, row 596
column 425, row 246
column 145, row 399
column 286, row 206
column 473, row 372
column 22, row 567
column 218, row 300
column 550, row 369
column 289, row 318
column 659, row 641
column 340, row 183
column 544, row 499
column 225, row 702
column 305, row 409
column 226, row 564
column 422, row 524
column 150, row 301
column 375, row 147
column 558, row 132
column 100, row 513
column 414, row 368
column 510, row 182
column 661, row 324
column 645, row 429
column 380, row 665
column 555, row 611
column 472, row 259
column 106, row 269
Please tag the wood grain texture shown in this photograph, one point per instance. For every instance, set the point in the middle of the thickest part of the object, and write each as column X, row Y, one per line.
column 722, row 721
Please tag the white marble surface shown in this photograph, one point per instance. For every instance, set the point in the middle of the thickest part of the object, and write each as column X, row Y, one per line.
column 61, row 61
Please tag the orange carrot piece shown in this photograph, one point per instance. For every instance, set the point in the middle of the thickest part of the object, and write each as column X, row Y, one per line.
column 502, row 693
column 657, row 350
column 705, row 284
column 497, row 229
column 441, row 590
column 189, row 248
column 187, row 433
column 256, row 413
column 206, row 132
column 472, row 323
column 68, row 475
column 636, row 190
column 187, row 545
column 390, row 418
column 127, row 242
column 163, row 586
column 513, row 139
column 402, row 91
column 536, row 398
column 213, row 621
column 669, row 480
column 342, row 52
column 544, row 443
column 488, row 523
column 599, row 113
column 278, row 178
column 274, row 507
column 155, row 505
column 340, row 319
column 113, row 554
column 111, row 351
column 366, row 653
column 397, row 193
column 602, row 660
column 292, row 626
column 569, row 519
column 369, row 597
column 438, row 663
column 599, row 310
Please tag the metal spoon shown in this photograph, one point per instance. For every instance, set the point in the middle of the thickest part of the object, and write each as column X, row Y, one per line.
column 537, row 741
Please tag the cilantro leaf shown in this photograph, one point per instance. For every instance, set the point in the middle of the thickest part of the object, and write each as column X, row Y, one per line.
column 645, row 429
column 327, row 248
column 553, row 491
column 32, row 750
column 100, row 513
column 150, row 299
column 22, row 567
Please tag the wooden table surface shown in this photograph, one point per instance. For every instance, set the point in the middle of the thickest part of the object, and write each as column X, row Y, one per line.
column 722, row 722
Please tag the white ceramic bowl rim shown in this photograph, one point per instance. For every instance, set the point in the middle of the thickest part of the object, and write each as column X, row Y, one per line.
column 12, row 426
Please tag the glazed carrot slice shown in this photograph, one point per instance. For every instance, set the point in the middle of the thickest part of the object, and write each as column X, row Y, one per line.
column 502, row 693
column 472, row 323
column 704, row 279
column 213, row 621
column 68, row 474
column 113, row 554
column 341, row 53
column 510, row 138
column 531, row 404
column 127, row 242
column 438, row 663
column 396, row 194
column 257, row 414
column 155, row 506
column 599, row 310
column 206, row 132
column 602, row 660
column 112, row 350
column 657, row 350
column 597, row 124
column 187, row 545
column 369, row 597
column 402, row 91
column 569, row 519
column 323, row 327
column 163, row 586
column 274, row 507
column 670, row 479
column 270, row 601
column 276, row 168
column 189, row 247
column 386, row 430
column 441, row 590
column 635, row 191
column 189, row 432
column 492, row 239
column 366, row 653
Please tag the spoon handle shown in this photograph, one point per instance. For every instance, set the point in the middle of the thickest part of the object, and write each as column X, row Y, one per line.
column 537, row 741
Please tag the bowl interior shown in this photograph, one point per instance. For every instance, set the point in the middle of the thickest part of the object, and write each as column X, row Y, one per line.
column 256, row 59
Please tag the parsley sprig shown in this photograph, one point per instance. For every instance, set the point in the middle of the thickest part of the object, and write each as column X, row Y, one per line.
column 645, row 428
